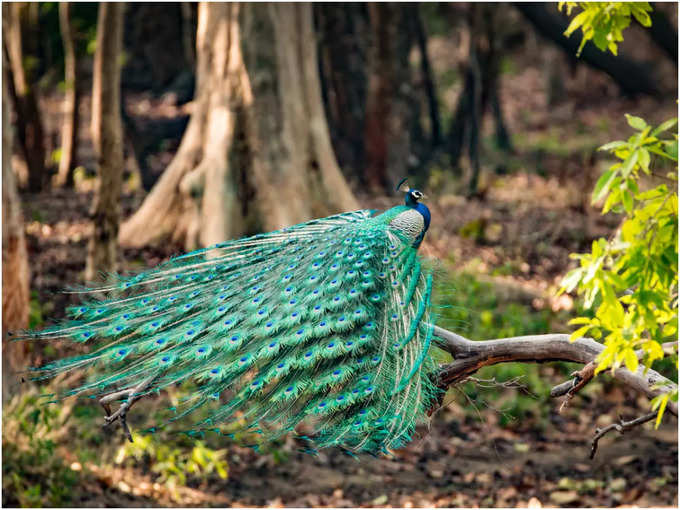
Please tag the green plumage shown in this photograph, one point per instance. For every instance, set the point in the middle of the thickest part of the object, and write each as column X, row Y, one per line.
column 328, row 322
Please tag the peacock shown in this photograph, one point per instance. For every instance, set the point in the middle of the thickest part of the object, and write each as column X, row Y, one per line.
column 327, row 322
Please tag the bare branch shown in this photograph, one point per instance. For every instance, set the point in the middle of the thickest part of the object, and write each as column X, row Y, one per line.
column 621, row 427
column 469, row 356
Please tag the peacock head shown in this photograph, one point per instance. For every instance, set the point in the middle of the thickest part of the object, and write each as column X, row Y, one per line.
column 411, row 196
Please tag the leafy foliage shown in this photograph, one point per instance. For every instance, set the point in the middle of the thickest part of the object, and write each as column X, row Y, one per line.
column 604, row 22
column 31, row 471
column 631, row 280
column 172, row 463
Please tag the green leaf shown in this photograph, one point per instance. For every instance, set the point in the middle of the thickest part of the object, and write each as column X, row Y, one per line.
column 603, row 184
column 612, row 145
column 579, row 332
column 665, row 126
column 627, row 197
column 644, row 159
column 662, row 408
column 636, row 122
column 631, row 360
column 576, row 23
column 642, row 18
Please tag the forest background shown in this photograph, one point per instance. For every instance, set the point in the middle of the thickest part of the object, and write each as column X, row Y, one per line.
column 135, row 132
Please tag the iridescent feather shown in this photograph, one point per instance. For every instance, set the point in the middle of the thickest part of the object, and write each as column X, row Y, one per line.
column 328, row 322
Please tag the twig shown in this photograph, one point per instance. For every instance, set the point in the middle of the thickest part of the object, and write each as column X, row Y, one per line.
column 131, row 396
column 581, row 378
column 620, row 427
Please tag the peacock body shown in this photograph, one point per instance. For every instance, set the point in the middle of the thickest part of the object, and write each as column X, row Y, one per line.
column 328, row 321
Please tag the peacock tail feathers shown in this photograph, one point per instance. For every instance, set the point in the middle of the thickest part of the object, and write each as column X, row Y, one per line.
column 328, row 322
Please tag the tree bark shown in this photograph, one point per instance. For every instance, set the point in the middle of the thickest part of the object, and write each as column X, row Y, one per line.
column 380, row 84
column 256, row 154
column 343, row 47
column 663, row 33
column 15, row 270
column 427, row 76
column 23, row 93
column 469, row 356
column 633, row 77
column 69, row 130
column 107, row 138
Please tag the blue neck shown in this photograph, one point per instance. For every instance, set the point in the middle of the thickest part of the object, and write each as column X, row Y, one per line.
column 425, row 213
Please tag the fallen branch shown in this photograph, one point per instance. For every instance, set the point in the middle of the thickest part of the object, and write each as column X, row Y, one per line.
column 621, row 427
column 469, row 356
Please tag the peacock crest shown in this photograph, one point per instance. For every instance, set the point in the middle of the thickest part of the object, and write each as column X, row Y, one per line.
column 326, row 322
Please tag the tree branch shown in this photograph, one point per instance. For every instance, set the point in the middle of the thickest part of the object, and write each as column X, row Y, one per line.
column 469, row 356
column 621, row 427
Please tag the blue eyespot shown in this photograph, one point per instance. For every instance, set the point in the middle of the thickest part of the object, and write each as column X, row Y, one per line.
column 349, row 343
column 341, row 319
column 340, row 398
column 281, row 365
column 160, row 341
column 215, row 371
column 363, row 411
column 260, row 312
column 165, row 359
column 322, row 324
column 317, row 307
column 336, row 372
column 272, row 345
column 190, row 332
column 220, row 309
column 299, row 332
column 269, row 324
column 322, row 404
column 119, row 328
column 122, row 352
column 234, row 338
column 292, row 301
column 201, row 350
column 294, row 314
column 308, row 355
column 331, row 345
column 244, row 359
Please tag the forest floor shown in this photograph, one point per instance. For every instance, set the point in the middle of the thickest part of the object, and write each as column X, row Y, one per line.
column 502, row 256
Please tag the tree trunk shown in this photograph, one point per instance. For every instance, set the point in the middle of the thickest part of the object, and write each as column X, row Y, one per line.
column 23, row 92
column 15, row 271
column 107, row 138
column 69, row 130
column 256, row 154
column 427, row 76
column 343, row 39
column 380, row 83
column 663, row 33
